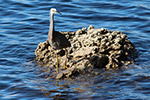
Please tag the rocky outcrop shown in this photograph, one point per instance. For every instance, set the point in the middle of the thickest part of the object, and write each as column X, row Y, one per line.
column 90, row 48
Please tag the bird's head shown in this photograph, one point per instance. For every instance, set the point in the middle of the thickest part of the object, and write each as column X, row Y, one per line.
column 53, row 10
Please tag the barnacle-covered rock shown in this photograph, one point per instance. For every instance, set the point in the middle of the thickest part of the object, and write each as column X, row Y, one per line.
column 92, row 48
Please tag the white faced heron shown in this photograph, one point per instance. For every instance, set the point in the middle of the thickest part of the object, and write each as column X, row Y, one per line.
column 56, row 39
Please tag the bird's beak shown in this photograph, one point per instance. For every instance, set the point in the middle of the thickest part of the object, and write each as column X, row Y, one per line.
column 58, row 12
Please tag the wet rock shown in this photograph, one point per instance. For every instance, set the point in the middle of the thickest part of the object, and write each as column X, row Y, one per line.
column 92, row 48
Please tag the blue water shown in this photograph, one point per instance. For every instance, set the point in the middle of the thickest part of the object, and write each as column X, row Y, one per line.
column 25, row 23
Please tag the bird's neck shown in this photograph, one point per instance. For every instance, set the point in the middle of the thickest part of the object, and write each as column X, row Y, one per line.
column 51, row 27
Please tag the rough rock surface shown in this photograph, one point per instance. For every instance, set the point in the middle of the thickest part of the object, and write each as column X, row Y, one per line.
column 90, row 48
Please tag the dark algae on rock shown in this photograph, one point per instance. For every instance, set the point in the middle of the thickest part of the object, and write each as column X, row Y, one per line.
column 90, row 48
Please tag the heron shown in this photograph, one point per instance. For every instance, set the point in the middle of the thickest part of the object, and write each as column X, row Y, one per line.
column 56, row 39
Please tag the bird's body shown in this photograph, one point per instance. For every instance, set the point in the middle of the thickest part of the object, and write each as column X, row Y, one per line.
column 56, row 39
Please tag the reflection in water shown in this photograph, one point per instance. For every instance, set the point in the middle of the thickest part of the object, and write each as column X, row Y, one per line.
column 79, row 87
